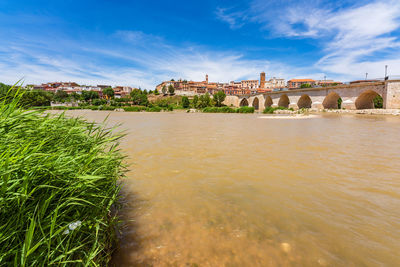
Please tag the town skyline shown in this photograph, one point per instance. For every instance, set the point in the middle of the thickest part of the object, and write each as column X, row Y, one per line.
column 228, row 40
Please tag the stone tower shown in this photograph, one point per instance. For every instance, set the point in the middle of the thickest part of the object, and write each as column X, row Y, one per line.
column 262, row 80
column 206, row 78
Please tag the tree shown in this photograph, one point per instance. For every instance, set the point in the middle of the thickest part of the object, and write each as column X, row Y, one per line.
column 171, row 89
column 185, row 102
column 195, row 101
column 145, row 92
column 305, row 85
column 61, row 96
column 36, row 98
column 204, row 101
column 172, row 80
column 219, row 97
column 164, row 90
column 75, row 96
column 139, row 98
column 156, row 92
column 378, row 102
column 108, row 92
column 89, row 95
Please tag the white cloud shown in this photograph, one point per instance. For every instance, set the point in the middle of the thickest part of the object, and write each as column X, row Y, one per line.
column 355, row 38
column 233, row 19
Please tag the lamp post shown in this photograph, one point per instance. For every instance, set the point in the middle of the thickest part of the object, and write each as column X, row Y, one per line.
column 386, row 77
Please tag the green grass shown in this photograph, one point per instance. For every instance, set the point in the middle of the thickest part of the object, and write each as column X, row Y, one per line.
column 59, row 187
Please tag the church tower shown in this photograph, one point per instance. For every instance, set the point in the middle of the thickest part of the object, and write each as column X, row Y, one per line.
column 206, row 78
column 262, row 80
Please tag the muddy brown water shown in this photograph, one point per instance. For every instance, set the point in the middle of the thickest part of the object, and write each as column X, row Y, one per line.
column 239, row 190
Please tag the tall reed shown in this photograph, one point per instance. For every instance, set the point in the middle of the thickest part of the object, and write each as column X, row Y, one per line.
column 58, row 188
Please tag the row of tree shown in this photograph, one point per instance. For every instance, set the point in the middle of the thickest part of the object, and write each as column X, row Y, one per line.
column 204, row 101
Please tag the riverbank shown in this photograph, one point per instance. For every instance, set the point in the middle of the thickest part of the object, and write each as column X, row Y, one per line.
column 59, row 189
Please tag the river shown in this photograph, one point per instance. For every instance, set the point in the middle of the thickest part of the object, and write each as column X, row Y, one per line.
column 245, row 190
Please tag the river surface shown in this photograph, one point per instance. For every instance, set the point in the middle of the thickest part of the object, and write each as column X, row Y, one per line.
column 240, row 190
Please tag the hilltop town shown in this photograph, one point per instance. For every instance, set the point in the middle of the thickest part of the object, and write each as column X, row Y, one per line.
column 244, row 87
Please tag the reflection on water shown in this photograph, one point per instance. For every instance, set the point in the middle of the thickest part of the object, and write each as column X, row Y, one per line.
column 237, row 190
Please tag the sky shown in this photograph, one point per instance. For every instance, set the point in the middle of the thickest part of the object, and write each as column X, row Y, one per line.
column 141, row 43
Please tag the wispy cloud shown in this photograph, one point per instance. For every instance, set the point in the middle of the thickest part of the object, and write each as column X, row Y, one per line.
column 235, row 19
column 355, row 37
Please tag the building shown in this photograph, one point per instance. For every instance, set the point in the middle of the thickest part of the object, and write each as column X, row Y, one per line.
column 297, row 83
column 250, row 84
column 262, row 80
column 274, row 83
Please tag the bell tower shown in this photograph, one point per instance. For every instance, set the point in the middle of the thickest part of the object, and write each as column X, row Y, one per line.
column 262, row 80
column 206, row 78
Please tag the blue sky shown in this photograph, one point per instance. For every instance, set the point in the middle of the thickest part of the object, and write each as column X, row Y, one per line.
column 140, row 43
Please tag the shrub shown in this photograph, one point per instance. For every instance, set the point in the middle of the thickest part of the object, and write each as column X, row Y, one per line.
column 245, row 110
column 219, row 110
column 185, row 102
column 154, row 109
column 134, row 108
column 58, row 188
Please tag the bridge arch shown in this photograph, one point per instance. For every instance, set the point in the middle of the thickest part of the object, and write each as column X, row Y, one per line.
column 331, row 101
column 304, row 102
column 256, row 103
column 244, row 102
column 284, row 101
column 268, row 101
column 366, row 99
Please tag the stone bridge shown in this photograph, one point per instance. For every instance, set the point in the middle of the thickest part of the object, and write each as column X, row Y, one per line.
column 353, row 96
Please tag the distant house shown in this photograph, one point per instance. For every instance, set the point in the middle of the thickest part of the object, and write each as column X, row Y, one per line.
column 297, row 83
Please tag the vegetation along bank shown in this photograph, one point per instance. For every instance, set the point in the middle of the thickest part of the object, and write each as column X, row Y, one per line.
column 59, row 188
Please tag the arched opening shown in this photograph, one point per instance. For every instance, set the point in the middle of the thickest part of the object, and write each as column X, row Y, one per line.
column 369, row 100
column 284, row 101
column 268, row 101
column 244, row 103
column 332, row 101
column 256, row 103
column 304, row 102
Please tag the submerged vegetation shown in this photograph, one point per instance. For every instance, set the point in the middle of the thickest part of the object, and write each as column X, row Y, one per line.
column 59, row 187
column 271, row 110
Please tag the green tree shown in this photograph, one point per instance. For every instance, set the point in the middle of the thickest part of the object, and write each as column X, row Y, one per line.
column 204, row 101
column 4, row 88
column 219, row 97
column 171, row 89
column 61, row 96
column 145, row 92
column 156, row 92
column 89, row 95
column 185, row 102
column 139, row 98
column 378, row 102
column 36, row 98
column 164, row 90
column 108, row 92
column 75, row 96
column 305, row 85
column 195, row 101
